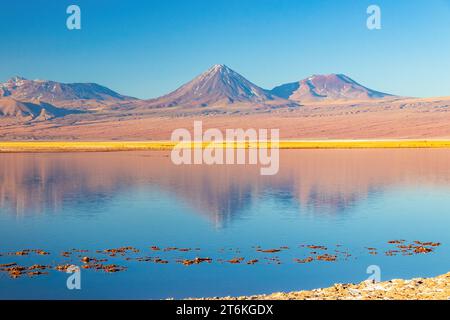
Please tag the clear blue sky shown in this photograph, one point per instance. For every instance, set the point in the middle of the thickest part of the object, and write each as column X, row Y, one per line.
column 148, row 48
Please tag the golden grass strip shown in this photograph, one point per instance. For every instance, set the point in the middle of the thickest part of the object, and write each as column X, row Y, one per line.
column 106, row 146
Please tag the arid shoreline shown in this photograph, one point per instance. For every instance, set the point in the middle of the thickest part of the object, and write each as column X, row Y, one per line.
column 437, row 288
column 108, row 146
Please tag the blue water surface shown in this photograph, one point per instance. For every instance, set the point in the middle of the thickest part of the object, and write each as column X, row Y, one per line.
column 344, row 200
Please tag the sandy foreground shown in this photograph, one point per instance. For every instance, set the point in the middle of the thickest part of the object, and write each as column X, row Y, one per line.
column 381, row 119
column 437, row 288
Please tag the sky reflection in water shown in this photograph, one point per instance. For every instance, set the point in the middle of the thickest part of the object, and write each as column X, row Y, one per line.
column 356, row 198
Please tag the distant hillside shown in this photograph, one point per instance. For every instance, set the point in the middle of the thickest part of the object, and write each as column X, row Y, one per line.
column 26, row 111
column 53, row 92
column 326, row 87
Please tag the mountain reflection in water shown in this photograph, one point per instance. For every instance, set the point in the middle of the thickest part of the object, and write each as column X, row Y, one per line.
column 324, row 181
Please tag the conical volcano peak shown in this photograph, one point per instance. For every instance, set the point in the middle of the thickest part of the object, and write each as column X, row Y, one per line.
column 220, row 70
column 219, row 67
column 219, row 85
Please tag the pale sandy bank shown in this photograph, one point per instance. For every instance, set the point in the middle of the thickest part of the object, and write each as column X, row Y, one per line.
column 437, row 288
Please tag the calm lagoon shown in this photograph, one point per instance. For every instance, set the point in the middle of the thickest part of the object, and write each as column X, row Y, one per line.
column 346, row 200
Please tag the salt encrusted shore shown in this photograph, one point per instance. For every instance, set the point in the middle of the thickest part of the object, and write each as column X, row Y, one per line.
column 437, row 288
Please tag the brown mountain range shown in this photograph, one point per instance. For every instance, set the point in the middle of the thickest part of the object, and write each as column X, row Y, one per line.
column 319, row 107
